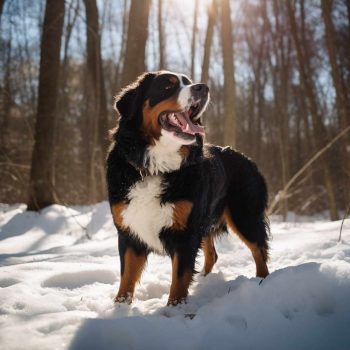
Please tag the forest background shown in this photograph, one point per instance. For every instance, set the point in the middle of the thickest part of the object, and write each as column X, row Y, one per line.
column 278, row 72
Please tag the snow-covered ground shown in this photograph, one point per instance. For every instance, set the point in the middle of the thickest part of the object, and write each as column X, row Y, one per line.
column 57, row 282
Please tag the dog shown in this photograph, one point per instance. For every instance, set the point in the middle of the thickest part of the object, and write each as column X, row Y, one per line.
column 172, row 194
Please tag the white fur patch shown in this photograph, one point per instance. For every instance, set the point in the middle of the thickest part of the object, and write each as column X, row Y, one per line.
column 185, row 96
column 164, row 156
column 145, row 216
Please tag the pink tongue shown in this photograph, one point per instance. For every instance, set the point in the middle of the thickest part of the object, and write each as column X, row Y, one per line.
column 187, row 126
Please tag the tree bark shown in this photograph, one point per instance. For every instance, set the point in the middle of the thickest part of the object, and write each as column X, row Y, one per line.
column 208, row 41
column 281, row 93
column 208, row 117
column 194, row 38
column 63, row 97
column 5, row 98
column 96, row 109
column 229, row 75
column 2, row 3
column 41, row 186
column 343, row 111
column 161, row 36
column 134, row 62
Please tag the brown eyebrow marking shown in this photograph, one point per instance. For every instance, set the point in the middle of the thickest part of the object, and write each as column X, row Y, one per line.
column 173, row 80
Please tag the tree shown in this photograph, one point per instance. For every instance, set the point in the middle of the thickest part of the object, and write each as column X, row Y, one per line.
column 281, row 73
column 161, row 36
column 343, row 113
column 208, row 41
column 41, row 187
column 2, row 3
column 340, row 92
column 229, row 75
column 96, row 109
column 134, row 61
column 194, row 38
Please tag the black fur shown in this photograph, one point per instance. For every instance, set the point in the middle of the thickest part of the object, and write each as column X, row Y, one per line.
column 211, row 177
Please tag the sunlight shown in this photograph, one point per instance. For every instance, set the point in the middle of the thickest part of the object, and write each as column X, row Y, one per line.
column 187, row 7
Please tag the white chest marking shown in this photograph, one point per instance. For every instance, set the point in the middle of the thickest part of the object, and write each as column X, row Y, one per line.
column 145, row 216
column 164, row 156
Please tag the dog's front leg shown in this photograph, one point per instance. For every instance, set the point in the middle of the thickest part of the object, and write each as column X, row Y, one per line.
column 132, row 263
column 182, row 273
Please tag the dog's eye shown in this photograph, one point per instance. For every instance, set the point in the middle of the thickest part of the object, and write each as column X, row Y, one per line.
column 169, row 86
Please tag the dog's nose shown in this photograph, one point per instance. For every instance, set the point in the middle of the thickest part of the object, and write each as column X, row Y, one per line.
column 200, row 88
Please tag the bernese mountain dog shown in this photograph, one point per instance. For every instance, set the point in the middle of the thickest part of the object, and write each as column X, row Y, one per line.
column 172, row 194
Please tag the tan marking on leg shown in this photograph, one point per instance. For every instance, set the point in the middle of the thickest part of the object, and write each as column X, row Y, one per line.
column 117, row 210
column 210, row 255
column 179, row 285
column 133, row 267
column 259, row 253
column 181, row 212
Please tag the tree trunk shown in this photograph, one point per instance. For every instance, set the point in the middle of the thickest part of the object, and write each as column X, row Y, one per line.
column 208, row 41
column 121, row 60
column 229, row 75
column 208, row 117
column 63, row 96
column 96, row 109
column 343, row 115
column 5, row 99
column 134, row 62
column 2, row 3
column 194, row 38
column 282, row 54
column 41, row 186
column 340, row 92
column 161, row 36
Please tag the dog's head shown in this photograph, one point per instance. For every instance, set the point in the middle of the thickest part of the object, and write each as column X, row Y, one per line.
column 164, row 104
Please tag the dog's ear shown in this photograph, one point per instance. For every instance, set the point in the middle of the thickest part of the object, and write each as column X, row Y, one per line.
column 130, row 98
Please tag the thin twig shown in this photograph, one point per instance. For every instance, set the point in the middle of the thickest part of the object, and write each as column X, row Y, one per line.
column 15, row 165
column 283, row 192
column 67, row 208
column 342, row 222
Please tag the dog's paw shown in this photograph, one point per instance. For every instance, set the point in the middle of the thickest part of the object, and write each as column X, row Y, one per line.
column 176, row 301
column 120, row 299
column 204, row 273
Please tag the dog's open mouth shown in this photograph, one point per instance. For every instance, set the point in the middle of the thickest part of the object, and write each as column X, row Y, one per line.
column 185, row 124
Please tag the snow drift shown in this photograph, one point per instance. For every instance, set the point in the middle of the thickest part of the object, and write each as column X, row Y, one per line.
column 57, row 287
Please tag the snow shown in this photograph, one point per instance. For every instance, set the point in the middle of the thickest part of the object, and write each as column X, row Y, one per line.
column 57, row 288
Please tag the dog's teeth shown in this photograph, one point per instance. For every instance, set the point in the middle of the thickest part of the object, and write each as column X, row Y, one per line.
column 178, row 120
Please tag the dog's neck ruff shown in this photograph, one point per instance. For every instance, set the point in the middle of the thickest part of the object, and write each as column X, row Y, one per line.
column 163, row 156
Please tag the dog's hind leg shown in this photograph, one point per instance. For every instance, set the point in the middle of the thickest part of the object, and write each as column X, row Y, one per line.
column 253, row 233
column 210, row 255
